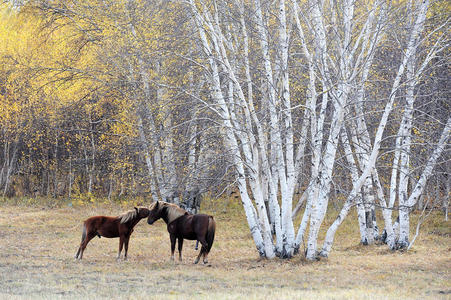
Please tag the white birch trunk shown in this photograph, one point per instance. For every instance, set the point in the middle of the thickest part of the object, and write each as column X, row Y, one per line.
column 386, row 212
column 405, row 128
column 371, row 33
column 312, row 212
column 269, row 187
column 169, row 174
column 369, row 168
column 340, row 98
column 247, row 145
column 309, row 115
column 192, row 154
column 150, row 171
column 349, row 202
column 376, row 146
column 156, row 148
column 420, row 185
column 360, row 149
column 319, row 208
column 275, row 131
column 261, row 233
column 404, row 171
column 287, row 183
column 411, row 48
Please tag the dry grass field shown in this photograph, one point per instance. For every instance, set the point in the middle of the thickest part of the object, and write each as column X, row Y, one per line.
column 38, row 244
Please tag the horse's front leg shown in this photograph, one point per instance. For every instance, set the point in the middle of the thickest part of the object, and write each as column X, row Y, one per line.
column 173, row 240
column 127, row 238
column 180, row 248
column 121, row 243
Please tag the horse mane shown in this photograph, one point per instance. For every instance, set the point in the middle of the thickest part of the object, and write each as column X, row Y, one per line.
column 173, row 210
column 128, row 215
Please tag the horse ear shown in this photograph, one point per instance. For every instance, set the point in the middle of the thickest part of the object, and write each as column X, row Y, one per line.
column 137, row 209
column 156, row 205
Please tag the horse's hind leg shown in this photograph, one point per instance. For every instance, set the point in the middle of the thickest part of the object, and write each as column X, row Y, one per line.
column 201, row 253
column 79, row 249
column 78, row 252
column 205, row 256
column 78, row 255
column 203, row 242
column 83, row 245
column 83, row 237
column 203, row 250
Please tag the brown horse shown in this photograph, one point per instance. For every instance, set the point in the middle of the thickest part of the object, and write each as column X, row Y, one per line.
column 111, row 227
column 183, row 225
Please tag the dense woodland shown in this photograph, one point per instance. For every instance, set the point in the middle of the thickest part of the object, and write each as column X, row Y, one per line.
column 297, row 107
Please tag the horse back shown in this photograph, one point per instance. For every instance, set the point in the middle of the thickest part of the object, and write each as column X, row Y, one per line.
column 100, row 220
column 190, row 227
column 103, row 225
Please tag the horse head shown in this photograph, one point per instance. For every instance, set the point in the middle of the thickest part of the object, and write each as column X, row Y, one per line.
column 167, row 211
column 154, row 212
column 142, row 212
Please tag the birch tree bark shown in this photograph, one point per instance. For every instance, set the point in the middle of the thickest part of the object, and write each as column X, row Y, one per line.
column 421, row 183
column 265, row 144
column 402, row 140
column 257, row 219
column 255, row 110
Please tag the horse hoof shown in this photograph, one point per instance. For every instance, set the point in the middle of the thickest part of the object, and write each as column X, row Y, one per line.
column 196, row 261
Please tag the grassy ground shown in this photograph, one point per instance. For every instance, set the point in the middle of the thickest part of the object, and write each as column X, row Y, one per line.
column 38, row 244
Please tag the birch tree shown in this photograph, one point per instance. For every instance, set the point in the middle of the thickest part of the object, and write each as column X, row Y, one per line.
column 343, row 62
column 285, row 100
column 402, row 140
column 273, row 165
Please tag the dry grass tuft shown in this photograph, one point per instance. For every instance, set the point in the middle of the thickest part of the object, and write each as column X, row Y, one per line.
column 38, row 245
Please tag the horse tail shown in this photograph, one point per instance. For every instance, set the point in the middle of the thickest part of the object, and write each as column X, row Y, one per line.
column 210, row 232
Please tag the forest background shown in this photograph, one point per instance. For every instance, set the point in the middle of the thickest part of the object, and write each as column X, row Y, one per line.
column 296, row 107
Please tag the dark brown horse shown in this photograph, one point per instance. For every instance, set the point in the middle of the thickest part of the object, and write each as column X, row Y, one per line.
column 183, row 225
column 111, row 227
